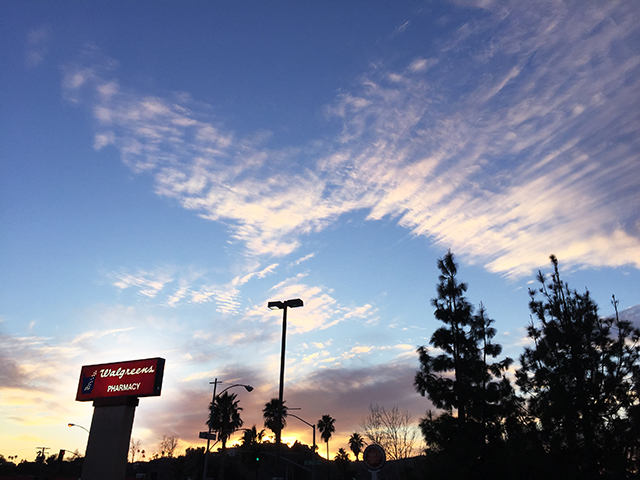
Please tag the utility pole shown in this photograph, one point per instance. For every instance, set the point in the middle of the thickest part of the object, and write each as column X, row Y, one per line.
column 206, row 452
column 42, row 456
column 42, row 451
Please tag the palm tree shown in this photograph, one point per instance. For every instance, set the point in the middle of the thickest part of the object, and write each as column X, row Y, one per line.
column 356, row 443
column 225, row 419
column 342, row 462
column 271, row 414
column 252, row 436
column 326, row 427
column 225, row 416
column 342, row 455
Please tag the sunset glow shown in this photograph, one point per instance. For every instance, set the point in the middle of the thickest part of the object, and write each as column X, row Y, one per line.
column 169, row 168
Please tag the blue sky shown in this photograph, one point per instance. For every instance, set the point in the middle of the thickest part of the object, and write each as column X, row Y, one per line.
column 168, row 168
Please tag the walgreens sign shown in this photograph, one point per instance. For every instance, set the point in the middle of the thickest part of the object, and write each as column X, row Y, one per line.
column 137, row 378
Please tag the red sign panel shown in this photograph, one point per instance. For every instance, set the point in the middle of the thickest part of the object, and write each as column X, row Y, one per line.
column 374, row 457
column 137, row 378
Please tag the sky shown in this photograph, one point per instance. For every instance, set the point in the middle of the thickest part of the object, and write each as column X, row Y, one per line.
column 168, row 168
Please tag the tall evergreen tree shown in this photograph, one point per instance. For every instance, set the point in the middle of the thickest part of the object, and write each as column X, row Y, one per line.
column 462, row 376
column 581, row 380
column 493, row 399
column 455, row 342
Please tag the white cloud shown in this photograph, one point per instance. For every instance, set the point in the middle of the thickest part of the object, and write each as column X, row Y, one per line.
column 37, row 46
column 303, row 259
column 86, row 338
column 101, row 140
column 43, row 373
column 422, row 64
column 148, row 284
column 261, row 274
column 173, row 286
column 320, row 311
column 365, row 311
column 537, row 155
column 361, row 349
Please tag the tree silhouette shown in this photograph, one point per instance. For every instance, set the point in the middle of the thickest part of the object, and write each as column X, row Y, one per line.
column 391, row 428
column 134, row 448
column 356, row 444
column 252, row 436
column 224, row 419
column 225, row 416
column 271, row 413
column 167, row 445
column 454, row 340
column 581, row 378
column 460, row 376
column 342, row 455
column 342, row 462
column 326, row 427
column 251, row 440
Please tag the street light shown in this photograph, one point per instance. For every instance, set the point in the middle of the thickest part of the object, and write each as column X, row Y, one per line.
column 79, row 426
column 293, row 303
column 215, row 383
column 312, row 425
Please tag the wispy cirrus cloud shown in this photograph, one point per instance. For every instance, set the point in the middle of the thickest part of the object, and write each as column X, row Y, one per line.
column 303, row 259
column 519, row 165
column 321, row 310
column 37, row 46
column 147, row 283
column 258, row 331
column 528, row 146
column 172, row 286
column 86, row 339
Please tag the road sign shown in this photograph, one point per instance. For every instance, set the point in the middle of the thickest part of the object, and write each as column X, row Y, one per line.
column 374, row 457
column 206, row 434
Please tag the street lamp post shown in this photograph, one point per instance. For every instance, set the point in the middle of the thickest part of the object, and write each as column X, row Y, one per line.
column 313, row 426
column 277, row 305
column 289, row 414
column 215, row 383
column 79, row 426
